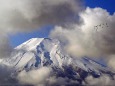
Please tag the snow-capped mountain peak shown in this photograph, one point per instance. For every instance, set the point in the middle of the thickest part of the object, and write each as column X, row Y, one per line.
column 37, row 52
column 45, row 52
column 30, row 44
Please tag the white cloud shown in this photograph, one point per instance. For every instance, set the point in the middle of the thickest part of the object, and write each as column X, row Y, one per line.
column 61, row 81
column 35, row 77
column 111, row 61
column 102, row 81
column 84, row 40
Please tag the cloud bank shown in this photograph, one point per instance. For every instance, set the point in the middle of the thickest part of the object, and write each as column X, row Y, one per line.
column 102, row 81
column 27, row 15
column 18, row 15
column 35, row 77
column 84, row 40
column 111, row 61
column 5, row 47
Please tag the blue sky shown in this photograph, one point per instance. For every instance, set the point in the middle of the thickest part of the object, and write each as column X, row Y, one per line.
column 109, row 5
column 19, row 38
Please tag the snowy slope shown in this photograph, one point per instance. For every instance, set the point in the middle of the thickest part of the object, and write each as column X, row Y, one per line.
column 39, row 52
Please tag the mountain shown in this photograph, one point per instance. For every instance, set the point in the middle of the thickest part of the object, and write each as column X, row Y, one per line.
column 45, row 52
